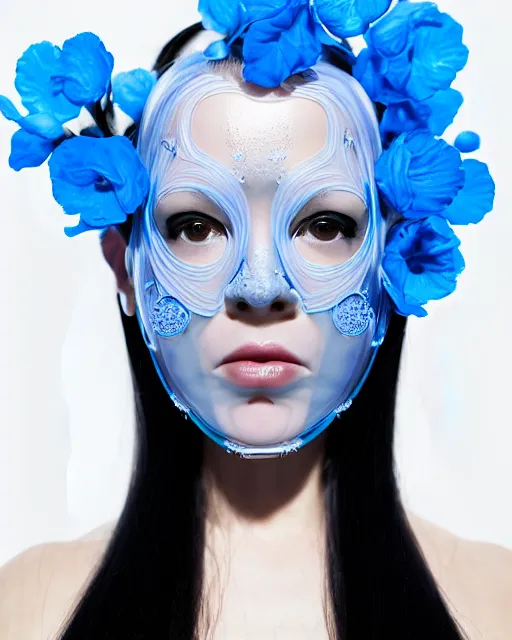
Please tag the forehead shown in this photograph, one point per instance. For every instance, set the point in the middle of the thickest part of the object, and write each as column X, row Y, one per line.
column 287, row 131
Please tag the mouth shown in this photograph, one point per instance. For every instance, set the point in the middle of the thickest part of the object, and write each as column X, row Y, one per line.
column 256, row 366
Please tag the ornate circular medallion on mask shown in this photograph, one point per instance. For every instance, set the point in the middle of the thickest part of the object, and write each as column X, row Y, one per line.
column 169, row 317
column 352, row 316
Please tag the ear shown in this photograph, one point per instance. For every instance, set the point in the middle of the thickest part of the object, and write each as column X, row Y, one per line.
column 113, row 246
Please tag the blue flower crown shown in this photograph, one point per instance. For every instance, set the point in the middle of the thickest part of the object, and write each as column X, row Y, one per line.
column 413, row 53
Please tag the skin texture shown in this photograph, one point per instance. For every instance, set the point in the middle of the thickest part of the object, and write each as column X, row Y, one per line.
column 39, row 586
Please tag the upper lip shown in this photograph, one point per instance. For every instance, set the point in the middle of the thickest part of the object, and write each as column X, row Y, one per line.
column 262, row 353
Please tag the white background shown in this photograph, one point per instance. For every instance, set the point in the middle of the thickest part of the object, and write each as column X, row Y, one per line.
column 66, row 415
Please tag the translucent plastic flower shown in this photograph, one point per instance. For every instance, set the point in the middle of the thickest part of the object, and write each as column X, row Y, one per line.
column 421, row 262
column 131, row 89
column 84, row 69
column 102, row 179
column 434, row 114
column 413, row 52
column 419, row 175
column 476, row 198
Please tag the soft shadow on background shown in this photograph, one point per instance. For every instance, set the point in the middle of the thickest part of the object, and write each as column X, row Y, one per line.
column 66, row 413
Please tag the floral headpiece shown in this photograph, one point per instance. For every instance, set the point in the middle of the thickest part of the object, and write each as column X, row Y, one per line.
column 413, row 53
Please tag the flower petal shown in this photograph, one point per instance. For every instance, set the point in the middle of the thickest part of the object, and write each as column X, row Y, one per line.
column 33, row 72
column 131, row 89
column 217, row 50
column 84, row 70
column 476, row 198
column 419, row 175
column 223, row 16
column 28, row 150
column 42, row 124
column 279, row 47
column 346, row 18
column 438, row 55
column 8, row 110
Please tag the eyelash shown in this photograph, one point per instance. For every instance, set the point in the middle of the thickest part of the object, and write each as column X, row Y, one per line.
column 344, row 224
column 177, row 224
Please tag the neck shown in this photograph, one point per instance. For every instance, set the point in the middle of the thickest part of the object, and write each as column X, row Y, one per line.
column 277, row 496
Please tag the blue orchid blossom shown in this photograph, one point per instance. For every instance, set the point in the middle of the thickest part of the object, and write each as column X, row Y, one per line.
column 412, row 52
column 282, row 38
column 102, row 179
column 131, row 89
column 419, row 175
column 421, row 262
column 476, row 198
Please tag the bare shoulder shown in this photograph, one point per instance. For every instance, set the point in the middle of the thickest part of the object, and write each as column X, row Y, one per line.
column 40, row 586
column 475, row 578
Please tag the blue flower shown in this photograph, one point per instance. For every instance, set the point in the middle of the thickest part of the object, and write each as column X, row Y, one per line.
column 102, row 179
column 346, row 18
column 476, row 198
column 419, row 175
column 131, row 89
column 434, row 114
column 421, row 262
column 84, row 69
column 413, row 52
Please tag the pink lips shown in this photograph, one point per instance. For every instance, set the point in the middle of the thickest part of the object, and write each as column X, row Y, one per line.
column 257, row 365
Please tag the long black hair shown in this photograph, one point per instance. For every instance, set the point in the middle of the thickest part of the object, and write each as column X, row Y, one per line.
column 148, row 584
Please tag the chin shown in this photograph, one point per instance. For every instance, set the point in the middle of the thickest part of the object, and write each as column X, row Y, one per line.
column 260, row 421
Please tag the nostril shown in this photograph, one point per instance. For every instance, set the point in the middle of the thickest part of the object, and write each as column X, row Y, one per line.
column 242, row 305
column 278, row 305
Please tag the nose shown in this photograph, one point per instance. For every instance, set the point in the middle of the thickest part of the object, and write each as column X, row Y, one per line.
column 260, row 291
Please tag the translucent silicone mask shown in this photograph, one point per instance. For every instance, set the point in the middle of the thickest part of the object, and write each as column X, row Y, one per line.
column 183, row 288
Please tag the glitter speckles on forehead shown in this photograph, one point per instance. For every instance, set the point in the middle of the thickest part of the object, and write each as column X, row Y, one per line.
column 260, row 149
column 272, row 168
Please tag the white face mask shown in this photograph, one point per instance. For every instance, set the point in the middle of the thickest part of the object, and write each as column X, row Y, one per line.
column 256, row 262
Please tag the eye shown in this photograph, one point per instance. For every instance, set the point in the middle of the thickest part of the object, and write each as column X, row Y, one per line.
column 193, row 227
column 327, row 225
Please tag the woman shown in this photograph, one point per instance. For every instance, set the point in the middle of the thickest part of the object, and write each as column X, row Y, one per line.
column 311, row 544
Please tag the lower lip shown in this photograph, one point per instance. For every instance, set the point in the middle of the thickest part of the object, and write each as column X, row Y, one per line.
column 246, row 373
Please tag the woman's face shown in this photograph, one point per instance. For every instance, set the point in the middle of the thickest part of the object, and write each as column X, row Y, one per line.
column 267, row 364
